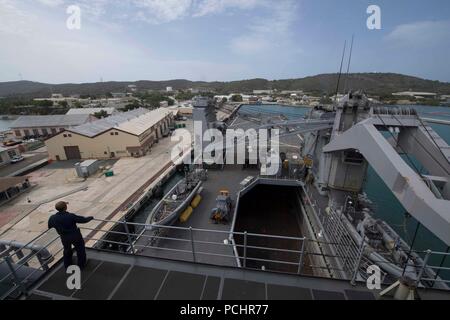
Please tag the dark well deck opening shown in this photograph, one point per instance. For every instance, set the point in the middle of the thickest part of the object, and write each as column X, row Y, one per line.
column 270, row 210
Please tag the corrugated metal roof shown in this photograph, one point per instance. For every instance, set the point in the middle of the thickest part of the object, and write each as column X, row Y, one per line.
column 90, row 110
column 63, row 120
column 142, row 123
column 10, row 182
column 135, row 122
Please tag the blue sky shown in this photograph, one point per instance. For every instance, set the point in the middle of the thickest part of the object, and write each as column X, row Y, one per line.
column 219, row 39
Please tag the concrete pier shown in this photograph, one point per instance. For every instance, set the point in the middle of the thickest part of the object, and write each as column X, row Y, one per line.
column 102, row 197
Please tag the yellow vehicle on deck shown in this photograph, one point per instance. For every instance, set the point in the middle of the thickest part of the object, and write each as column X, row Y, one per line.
column 221, row 213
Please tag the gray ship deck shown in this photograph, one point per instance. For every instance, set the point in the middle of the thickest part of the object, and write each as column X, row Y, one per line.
column 115, row 276
column 227, row 179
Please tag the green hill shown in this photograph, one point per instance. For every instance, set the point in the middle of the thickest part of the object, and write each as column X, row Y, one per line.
column 372, row 83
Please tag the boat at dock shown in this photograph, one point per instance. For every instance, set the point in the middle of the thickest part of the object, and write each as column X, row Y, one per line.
column 172, row 205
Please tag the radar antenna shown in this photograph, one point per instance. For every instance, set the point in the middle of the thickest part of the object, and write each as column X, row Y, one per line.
column 349, row 62
column 340, row 72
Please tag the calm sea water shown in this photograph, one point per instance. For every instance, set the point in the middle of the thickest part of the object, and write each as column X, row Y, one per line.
column 4, row 124
column 389, row 208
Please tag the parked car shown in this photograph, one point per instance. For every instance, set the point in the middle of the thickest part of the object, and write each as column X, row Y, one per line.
column 16, row 159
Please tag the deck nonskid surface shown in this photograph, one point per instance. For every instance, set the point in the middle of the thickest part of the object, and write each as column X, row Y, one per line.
column 227, row 179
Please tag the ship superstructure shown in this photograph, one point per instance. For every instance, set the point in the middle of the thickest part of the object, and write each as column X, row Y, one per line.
column 341, row 157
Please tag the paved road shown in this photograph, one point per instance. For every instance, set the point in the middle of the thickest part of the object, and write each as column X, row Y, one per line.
column 11, row 168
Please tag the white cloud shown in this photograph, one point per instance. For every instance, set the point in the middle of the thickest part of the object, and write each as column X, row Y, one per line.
column 250, row 44
column 271, row 32
column 94, row 8
column 217, row 6
column 42, row 49
column 422, row 34
column 160, row 11
column 51, row 3
column 14, row 20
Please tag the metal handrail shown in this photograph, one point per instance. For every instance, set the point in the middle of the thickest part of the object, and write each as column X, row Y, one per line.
column 12, row 275
column 246, row 246
column 20, row 285
column 23, row 263
column 24, row 246
column 155, row 226
column 439, row 268
column 299, row 261
column 440, row 253
column 199, row 241
column 196, row 241
column 208, row 242
column 435, row 280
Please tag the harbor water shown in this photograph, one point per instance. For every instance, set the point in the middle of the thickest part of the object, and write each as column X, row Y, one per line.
column 143, row 213
column 5, row 124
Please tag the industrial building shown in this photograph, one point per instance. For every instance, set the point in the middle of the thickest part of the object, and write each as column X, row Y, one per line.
column 43, row 126
column 258, row 92
column 7, row 153
column 109, row 110
column 415, row 94
column 118, row 94
column 180, row 111
column 57, row 98
column 10, row 187
column 129, row 133
column 202, row 102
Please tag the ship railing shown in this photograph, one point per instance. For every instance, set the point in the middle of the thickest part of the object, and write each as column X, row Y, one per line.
column 195, row 245
column 192, row 240
column 434, row 277
column 22, row 265
column 340, row 242
column 251, row 253
column 348, row 252
column 291, row 175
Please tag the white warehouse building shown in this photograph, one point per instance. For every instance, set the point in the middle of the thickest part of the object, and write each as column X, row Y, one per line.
column 131, row 133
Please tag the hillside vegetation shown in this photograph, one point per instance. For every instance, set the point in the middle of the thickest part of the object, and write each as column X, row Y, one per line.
column 373, row 83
